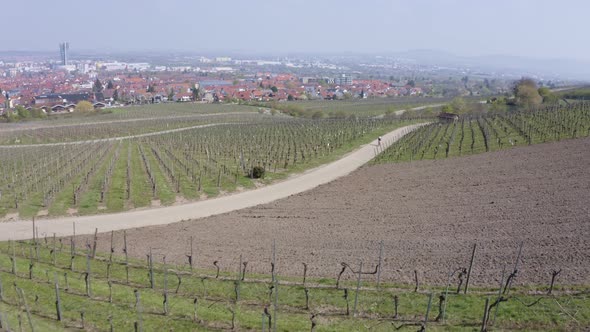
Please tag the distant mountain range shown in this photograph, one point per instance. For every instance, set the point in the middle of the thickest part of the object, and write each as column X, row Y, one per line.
column 516, row 65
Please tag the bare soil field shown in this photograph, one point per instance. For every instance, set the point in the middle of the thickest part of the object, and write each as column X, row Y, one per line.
column 428, row 215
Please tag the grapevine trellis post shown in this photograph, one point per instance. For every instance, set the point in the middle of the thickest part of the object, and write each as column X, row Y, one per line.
column 380, row 264
column 138, row 309
column 515, row 270
column 430, row 296
column 499, row 294
column 470, row 267
column 165, row 302
column 151, row 269
column 276, row 287
column 126, row 256
column 73, row 247
column 87, row 276
column 21, row 293
column 57, row 299
column 358, row 287
column 95, row 241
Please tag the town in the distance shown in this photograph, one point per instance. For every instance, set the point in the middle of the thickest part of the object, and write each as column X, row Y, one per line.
column 45, row 83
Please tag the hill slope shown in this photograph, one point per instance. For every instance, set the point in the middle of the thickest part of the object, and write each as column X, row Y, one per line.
column 428, row 214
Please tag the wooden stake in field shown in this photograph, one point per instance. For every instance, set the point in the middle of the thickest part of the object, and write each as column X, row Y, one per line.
column 273, row 262
column 195, row 305
column 54, row 252
column 13, row 258
column 380, row 263
column 304, row 273
column 138, row 310
column 358, row 287
column 126, row 256
column 94, row 243
column 165, row 287
column 499, row 294
column 245, row 265
column 239, row 280
column 110, row 284
column 36, row 242
column 112, row 247
column 276, row 287
column 34, row 236
column 470, row 267
column 67, row 283
column 21, row 293
column 427, row 310
column 73, row 247
column 515, row 270
column 345, row 296
column 190, row 257
column 87, row 276
column 57, row 299
column 484, row 323
column 151, row 269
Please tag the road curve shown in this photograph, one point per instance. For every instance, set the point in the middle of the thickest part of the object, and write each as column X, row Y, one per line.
column 21, row 230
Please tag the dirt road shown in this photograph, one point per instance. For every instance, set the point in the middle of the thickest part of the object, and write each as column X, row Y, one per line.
column 119, row 138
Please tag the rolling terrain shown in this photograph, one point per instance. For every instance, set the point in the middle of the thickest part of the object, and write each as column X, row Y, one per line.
column 428, row 215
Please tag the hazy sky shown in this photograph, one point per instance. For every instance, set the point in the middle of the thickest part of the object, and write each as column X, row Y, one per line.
column 538, row 28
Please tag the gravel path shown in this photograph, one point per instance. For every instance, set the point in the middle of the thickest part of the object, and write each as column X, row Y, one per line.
column 18, row 230
column 48, row 124
column 120, row 138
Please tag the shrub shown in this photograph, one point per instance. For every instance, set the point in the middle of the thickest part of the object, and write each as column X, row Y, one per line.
column 257, row 172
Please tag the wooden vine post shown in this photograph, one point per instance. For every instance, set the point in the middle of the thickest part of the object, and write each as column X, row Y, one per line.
column 276, row 287
column 380, row 263
column 57, row 299
column 126, row 256
column 470, row 268
column 358, row 287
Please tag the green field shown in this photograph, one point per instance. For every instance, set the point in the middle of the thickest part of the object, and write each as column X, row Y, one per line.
column 117, row 128
column 472, row 135
column 104, row 290
column 353, row 108
column 366, row 107
column 203, row 159
column 580, row 93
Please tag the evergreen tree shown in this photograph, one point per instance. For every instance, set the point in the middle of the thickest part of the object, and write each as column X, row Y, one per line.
column 97, row 86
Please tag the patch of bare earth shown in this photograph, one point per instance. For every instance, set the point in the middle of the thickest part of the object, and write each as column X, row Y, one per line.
column 10, row 217
column 428, row 215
